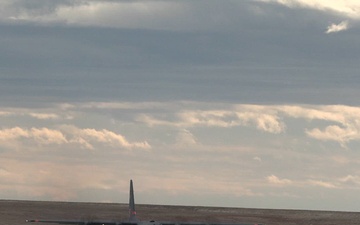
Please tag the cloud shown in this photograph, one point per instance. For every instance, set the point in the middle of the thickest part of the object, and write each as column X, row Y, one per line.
column 4, row 173
column 86, row 138
column 246, row 115
column 349, row 8
column 140, row 14
column 335, row 133
column 47, row 136
column 269, row 123
column 119, row 14
column 13, row 133
column 351, row 180
column 41, row 135
column 123, row 105
column 44, row 116
column 4, row 113
column 340, row 123
column 258, row 159
column 344, row 125
column 272, row 179
column 329, row 113
column 124, row 14
column 322, row 184
column 186, row 139
column 57, row 113
column 109, row 138
column 334, row 28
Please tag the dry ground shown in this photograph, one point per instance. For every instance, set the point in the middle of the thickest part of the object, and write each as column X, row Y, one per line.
column 16, row 212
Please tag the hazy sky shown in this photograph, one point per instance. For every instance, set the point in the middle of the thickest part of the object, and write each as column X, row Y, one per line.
column 252, row 103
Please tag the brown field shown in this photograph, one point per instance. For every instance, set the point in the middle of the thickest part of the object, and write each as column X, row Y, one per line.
column 16, row 212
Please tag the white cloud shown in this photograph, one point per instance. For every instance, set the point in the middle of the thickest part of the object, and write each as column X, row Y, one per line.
column 57, row 113
column 84, row 144
column 86, row 138
column 270, row 123
column 348, row 8
column 185, row 139
column 343, row 121
column 123, row 105
column 118, row 14
column 44, row 116
column 350, row 179
column 350, row 182
column 334, row 28
column 13, row 133
column 322, row 184
column 335, row 133
column 272, row 179
column 41, row 136
column 124, row 14
column 340, row 123
column 109, row 138
column 258, row 159
column 4, row 113
column 4, row 173
column 246, row 115
column 210, row 118
column 335, row 113
column 47, row 136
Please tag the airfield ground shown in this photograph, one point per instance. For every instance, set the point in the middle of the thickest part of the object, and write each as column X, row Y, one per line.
column 16, row 212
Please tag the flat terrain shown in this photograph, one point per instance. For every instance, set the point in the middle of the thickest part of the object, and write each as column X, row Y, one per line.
column 16, row 212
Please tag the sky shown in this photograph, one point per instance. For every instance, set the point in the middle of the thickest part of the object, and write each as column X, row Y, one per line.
column 231, row 103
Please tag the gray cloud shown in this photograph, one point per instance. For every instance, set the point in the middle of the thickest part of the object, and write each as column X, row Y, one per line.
column 254, row 51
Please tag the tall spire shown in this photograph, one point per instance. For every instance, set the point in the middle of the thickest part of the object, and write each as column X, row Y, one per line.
column 132, row 212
